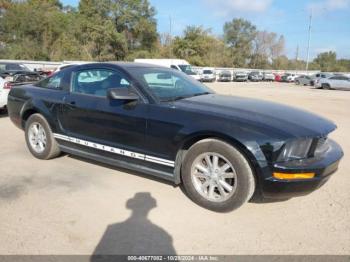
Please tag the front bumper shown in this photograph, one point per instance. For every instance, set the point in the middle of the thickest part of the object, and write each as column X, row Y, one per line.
column 323, row 167
column 208, row 79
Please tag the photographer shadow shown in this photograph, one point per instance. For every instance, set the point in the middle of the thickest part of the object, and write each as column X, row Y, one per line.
column 135, row 236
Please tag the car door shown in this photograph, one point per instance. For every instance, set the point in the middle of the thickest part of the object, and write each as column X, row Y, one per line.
column 91, row 116
column 347, row 83
column 343, row 82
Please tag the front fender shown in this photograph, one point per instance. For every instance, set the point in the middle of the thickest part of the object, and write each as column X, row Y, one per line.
column 249, row 141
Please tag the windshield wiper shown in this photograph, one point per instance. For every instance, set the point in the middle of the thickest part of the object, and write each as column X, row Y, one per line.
column 201, row 94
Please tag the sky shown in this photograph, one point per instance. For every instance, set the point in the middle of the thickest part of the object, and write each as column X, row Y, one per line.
column 330, row 29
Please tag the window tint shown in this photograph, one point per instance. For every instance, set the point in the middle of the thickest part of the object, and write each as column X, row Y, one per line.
column 98, row 81
column 53, row 82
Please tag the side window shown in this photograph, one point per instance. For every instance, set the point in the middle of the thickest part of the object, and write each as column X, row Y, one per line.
column 98, row 81
column 174, row 67
column 53, row 82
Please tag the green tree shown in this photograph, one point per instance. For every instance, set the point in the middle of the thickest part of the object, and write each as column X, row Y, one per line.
column 136, row 20
column 98, row 35
column 326, row 61
column 200, row 47
column 239, row 35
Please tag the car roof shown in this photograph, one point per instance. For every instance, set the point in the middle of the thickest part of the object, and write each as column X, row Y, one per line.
column 134, row 65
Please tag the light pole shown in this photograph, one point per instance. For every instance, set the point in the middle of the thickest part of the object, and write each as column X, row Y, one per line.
column 308, row 43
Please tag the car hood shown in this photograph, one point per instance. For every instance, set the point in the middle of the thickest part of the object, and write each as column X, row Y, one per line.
column 266, row 115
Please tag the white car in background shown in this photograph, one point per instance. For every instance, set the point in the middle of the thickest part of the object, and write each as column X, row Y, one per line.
column 317, row 78
column 208, row 75
column 268, row 76
column 335, row 82
column 177, row 64
column 4, row 92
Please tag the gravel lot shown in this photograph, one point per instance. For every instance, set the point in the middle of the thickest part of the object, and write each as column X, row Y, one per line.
column 71, row 206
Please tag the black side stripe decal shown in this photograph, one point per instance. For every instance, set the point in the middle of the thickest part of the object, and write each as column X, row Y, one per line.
column 115, row 150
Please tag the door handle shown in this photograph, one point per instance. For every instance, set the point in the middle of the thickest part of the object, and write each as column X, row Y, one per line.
column 71, row 104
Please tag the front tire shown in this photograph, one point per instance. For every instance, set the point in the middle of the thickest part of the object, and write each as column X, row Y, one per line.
column 326, row 86
column 39, row 138
column 217, row 176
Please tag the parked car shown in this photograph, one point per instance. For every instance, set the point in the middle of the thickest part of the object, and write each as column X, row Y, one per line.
column 278, row 78
column 208, row 75
column 177, row 64
column 164, row 123
column 288, row 78
column 225, row 76
column 10, row 69
column 240, row 77
column 318, row 77
column 13, row 80
column 44, row 72
column 255, row 76
column 335, row 82
column 268, row 76
column 4, row 91
column 304, row 80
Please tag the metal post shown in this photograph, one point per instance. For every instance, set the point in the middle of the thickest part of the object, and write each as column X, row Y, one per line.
column 308, row 44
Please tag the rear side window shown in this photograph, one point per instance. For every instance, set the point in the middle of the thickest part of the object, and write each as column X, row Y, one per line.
column 53, row 82
column 98, row 81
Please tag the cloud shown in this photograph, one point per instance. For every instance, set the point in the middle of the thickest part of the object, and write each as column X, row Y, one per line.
column 321, row 7
column 226, row 7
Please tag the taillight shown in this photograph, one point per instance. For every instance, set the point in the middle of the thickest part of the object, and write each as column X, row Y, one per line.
column 7, row 85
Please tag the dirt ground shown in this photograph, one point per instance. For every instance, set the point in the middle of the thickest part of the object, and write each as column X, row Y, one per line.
column 71, row 206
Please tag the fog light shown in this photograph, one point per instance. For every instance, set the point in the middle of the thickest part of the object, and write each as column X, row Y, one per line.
column 286, row 176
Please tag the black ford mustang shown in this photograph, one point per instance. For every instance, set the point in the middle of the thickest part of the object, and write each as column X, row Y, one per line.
column 159, row 121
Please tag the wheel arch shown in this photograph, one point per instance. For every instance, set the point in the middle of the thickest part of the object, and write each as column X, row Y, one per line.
column 251, row 156
column 31, row 107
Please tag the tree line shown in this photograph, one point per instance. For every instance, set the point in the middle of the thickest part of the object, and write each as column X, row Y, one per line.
column 108, row 30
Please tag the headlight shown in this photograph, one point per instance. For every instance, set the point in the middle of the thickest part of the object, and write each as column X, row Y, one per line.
column 322, row 146
column 295, row 149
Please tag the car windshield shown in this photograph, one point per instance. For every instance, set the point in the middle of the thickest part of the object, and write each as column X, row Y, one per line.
column 169, row 85
column 187, row 69
column 207, row 72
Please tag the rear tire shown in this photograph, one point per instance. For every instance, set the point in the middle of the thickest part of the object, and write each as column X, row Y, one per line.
column 39, row 138
column 208, row 185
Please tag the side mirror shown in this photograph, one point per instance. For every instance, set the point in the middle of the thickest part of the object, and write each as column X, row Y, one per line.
column 122, row 94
